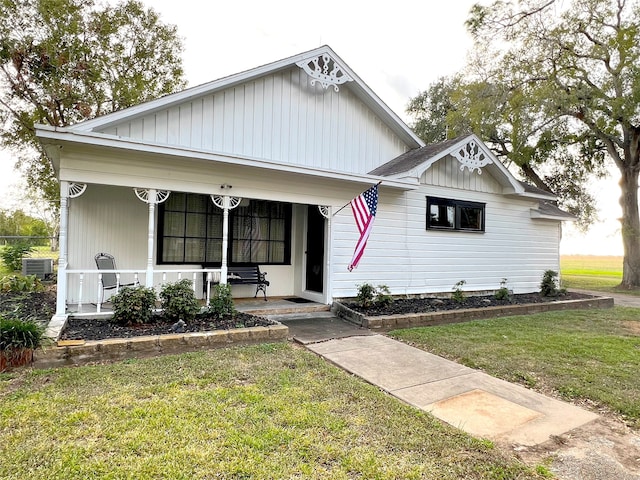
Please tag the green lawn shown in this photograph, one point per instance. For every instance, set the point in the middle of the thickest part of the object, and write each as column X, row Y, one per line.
column 600, row 273
column 270, row 411
column 582, row 355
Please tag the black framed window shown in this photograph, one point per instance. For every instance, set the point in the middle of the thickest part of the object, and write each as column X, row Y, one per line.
column 260, row 233
column 190, row 232
column 450, row 214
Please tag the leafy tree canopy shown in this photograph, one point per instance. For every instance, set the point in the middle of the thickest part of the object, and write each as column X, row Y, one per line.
column 64, row 61
column 579, row 63
column 554, row 90
column 18, row 223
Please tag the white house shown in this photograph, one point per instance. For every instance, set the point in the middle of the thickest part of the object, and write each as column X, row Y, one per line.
column 251, row 170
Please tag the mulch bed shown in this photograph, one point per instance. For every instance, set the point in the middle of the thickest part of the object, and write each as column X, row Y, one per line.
column 424, row 305
column 99, row 329
column 41, row 306
column 37, row 306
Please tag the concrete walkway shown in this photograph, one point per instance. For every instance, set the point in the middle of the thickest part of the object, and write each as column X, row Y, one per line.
column 471, row 400
column 619, row 299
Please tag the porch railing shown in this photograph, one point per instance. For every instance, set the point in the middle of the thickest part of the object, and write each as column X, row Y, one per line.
column 160, row 277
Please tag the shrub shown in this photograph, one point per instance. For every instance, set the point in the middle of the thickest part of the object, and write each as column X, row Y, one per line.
column 383, row 296
column 458, row 295
column 17, row 334
column 19, row 283
column 133, row 305
column 221, row 302
column 366, row 294
column 549, row 284
column 12, row 255
column 369, row 295
column 179, row 300
column 503, row 292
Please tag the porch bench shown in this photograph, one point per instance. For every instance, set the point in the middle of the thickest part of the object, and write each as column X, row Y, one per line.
column 250, row 275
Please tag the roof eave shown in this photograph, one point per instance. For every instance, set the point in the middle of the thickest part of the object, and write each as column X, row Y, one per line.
column 54, row 136
column 536, row 214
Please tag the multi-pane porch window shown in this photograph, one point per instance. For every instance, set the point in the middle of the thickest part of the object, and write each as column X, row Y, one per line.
column 260, row 233
column 190, row 231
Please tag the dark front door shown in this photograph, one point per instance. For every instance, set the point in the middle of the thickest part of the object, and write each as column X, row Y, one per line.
column 315, row 249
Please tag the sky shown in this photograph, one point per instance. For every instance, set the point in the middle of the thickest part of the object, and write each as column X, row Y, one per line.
column 397, row 49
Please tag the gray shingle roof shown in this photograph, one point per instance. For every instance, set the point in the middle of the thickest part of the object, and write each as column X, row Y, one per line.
column 413, row 158
column 538, row 191
column 551, row 209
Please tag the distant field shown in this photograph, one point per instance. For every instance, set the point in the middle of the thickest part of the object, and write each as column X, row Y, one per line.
column 590, row 272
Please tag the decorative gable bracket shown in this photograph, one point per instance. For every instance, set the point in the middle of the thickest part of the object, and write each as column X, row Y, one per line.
column 325, row 70
column 472, row 157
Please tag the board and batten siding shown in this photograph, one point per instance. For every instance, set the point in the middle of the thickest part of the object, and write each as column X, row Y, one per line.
column 279, row 117
column 402, row 254
column 113, row 220
column 105, row 220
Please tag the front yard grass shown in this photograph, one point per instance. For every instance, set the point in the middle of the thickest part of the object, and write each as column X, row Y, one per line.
column 588, row 356
column 268, row 411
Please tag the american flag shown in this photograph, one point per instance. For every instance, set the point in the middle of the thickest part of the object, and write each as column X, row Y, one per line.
column 364, row 208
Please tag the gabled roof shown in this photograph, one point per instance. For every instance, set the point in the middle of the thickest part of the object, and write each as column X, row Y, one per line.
column 414, row 163
column 355, row 84
column 413, row 158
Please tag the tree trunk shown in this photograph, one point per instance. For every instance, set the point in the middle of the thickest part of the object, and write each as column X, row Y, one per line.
column 630, row 225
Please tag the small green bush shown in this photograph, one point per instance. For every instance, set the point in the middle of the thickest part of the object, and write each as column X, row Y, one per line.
column 19, row 283
column 221, row 302
column 503, row 292
column 458, row 295
column 369, row 295
column 549, row 285
column 17, row 334
column 366, row 294
column 179, row 300
column 383, row 296
column 133, row 305
column 12, row 255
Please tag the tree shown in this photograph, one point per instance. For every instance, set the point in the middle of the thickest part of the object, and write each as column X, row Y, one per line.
column 508, row 119
column 579, row 64
column 64, row 61
column 18, row 223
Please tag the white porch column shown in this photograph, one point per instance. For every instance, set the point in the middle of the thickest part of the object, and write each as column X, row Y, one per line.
column 61, row 299
column 326, row 212
column 150, row 238
column 151, row 197
column 226, row 203
column 67, row 190
column 225, row 239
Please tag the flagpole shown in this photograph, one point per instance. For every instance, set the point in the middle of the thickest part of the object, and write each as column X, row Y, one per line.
column 342, row 207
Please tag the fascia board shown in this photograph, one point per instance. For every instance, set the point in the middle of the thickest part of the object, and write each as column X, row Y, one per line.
column 52, row 135
column 539, row 196
column 543, row 216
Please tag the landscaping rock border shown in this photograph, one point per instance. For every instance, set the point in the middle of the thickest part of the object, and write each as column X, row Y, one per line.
column 392, row 322
column 147, row 346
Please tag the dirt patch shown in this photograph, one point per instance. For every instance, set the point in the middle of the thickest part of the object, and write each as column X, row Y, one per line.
column 633, row 327
column 601, row 450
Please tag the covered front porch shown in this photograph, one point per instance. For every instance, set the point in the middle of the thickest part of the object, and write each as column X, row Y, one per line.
column 161, row 236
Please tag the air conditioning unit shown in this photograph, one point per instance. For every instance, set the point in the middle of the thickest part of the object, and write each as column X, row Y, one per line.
column 40, row 267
